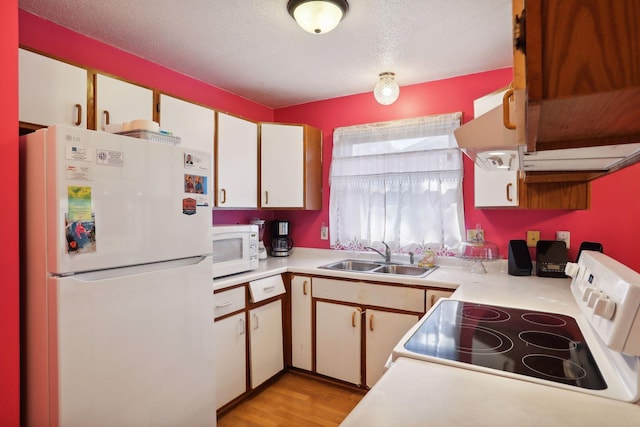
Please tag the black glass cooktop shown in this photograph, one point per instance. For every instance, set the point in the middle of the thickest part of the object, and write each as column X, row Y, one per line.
column 541, row 345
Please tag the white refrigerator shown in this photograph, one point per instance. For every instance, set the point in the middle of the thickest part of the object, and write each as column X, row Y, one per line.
column 117, row 281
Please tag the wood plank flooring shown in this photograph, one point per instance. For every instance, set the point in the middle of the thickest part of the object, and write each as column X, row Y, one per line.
column 294, row 400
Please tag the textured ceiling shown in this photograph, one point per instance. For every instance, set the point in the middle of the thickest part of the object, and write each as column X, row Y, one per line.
column 254, row 49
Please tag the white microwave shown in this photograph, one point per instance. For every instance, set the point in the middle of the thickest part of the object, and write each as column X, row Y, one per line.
column 235, row 249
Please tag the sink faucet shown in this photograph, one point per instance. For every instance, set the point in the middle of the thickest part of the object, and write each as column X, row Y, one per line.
column 387, row 252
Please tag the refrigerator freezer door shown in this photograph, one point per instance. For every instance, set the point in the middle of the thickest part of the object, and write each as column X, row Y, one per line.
column 134, row 350
column 111, row 200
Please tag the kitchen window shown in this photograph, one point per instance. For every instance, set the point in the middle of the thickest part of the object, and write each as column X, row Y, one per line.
column 399, row 182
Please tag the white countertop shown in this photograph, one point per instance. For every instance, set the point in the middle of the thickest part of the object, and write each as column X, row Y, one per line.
column 417, row 393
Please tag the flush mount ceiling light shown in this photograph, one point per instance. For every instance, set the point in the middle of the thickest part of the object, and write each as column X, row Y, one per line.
column 318, row 16
column 387, row 90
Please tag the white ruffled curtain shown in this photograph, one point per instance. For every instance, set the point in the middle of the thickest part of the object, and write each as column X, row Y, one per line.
column 399, row 182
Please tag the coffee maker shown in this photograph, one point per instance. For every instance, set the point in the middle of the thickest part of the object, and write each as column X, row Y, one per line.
column 281, row 243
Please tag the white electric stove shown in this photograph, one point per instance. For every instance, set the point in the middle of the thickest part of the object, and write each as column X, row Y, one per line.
column 595, row 352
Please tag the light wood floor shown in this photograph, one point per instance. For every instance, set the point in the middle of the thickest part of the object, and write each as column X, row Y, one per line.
column 294, row 400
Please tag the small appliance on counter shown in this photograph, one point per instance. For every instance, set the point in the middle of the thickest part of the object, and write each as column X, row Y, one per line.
column 262, row 251
column 235, row 249
column 281, row 243
column 551, row 258
column 519, row 263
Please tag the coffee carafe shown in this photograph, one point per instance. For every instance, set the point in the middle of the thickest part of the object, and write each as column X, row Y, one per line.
column 281, row 243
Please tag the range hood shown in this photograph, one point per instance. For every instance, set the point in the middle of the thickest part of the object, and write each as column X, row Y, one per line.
column 485, row 139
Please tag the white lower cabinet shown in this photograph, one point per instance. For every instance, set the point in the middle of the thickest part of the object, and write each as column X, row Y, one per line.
column 265, row 338
column 341, row 336
column 383, row 331
column 338, row 338
column 301, row 337
column 231, row 358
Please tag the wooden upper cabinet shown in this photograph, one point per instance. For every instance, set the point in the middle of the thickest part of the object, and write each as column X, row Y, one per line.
column 582, row 72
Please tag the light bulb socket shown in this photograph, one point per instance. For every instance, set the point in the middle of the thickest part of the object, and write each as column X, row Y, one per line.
column 386, row 90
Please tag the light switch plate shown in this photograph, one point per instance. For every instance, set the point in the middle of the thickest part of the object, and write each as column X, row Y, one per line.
column 532, row 238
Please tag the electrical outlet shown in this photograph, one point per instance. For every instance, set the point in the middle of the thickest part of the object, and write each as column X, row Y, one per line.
column 324, row 232
column 532, row 238
column 565, row 236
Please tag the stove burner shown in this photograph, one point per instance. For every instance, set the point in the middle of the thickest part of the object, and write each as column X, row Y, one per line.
column 544, row 319
column 554, row 367
column 485, row 313
column 493, row 342
column 547, row 340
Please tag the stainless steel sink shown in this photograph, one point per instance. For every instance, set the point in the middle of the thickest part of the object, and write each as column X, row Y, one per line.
column 352, row 265
column 373, row 267
column 405, row 270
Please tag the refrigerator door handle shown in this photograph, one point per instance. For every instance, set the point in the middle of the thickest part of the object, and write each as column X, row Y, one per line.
column 92, row 276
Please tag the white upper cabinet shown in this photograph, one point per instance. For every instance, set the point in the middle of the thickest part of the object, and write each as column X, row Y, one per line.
column 118, row 102
column 291, row 166
column 194, row 124
column 495, row 188
column 237, row 162
column 51, row 92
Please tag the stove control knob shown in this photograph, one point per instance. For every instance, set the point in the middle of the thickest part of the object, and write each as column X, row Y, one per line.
column 571, row 269
column 587, row 294
column 604, row 307
column 593, row 297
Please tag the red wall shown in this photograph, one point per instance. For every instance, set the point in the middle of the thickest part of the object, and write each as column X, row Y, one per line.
column 9, row 267
column 611, row 219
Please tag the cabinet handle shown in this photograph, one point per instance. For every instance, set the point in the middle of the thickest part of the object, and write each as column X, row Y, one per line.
column 78, row 121
column 266, row 197
column 505, row 109
column 242, row 328
column 255, row 321
column 304, row 287
column 371, row 323
column 107, row 118
column 509, row 198
column 224, row 304
column 269, row 288
column 433, row 300
column 358, row 310
column 224, row 196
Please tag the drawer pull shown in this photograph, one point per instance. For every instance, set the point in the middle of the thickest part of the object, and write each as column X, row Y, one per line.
column 223, row 305
column 269, row 288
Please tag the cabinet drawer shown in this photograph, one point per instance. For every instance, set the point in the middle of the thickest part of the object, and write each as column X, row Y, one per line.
column 396, row 297
column 266, row 288
column 228, row 301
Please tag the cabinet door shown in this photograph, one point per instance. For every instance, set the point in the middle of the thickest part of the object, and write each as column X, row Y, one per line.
column 338, row 340
column 266, row 348
column 194, row 124
column 282, row 166
column 301, row 354
column 51, row 92
column 120, row 102
column 495, row 188
column 383, row 331
column 231, row 359
column 434, row 295
column 237, row 162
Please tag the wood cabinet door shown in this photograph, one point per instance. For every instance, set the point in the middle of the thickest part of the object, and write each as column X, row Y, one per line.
column 230, row 353
column 301, row 336
column 282, row 166
column 266, row 345
column 51, row 92
column 194, row 124
column 237, row 162
column 338, row 339
column 119, row 102
column 383, row 331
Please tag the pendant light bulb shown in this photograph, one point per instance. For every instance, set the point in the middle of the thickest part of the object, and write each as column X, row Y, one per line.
column 386, row 90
